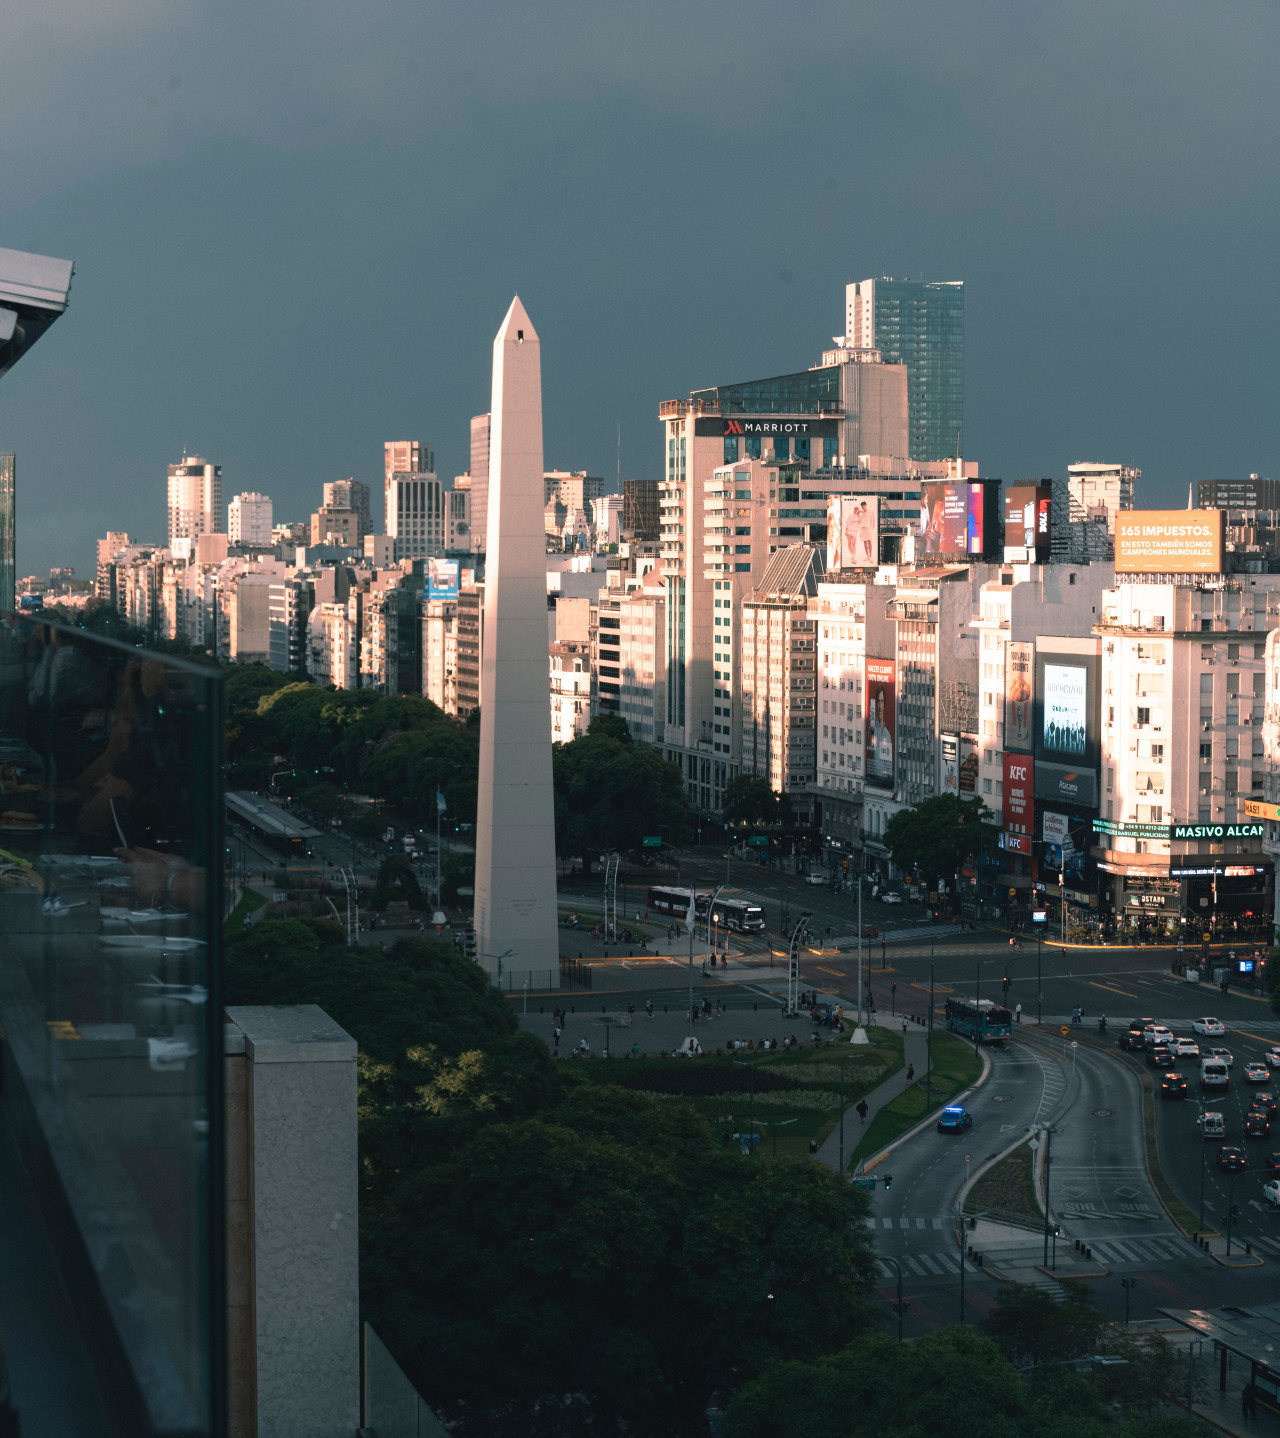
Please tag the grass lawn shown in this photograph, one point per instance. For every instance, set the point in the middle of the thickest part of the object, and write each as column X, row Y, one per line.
column 797, row 1093
column 955, row 1067
column 250, row 901
column 1008, row 1190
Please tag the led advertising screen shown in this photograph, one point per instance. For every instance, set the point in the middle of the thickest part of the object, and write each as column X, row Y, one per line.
column 968, row 764
column 1028, row 520
column 1019, row 697
column 958, row 519
column 1065, row 710
column 1169, row 541
column 1067, row 747
column 881, row 715
column 1018, row 802
column 442, row 578
column 853, row 531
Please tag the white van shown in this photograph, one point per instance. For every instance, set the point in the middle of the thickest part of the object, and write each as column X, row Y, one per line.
column 1213, row 1073
column 1213, row 1125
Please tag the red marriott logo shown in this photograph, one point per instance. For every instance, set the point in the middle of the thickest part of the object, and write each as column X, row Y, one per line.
column 732, row 426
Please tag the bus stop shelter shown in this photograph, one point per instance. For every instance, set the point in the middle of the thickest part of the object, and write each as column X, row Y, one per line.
column 1249, row 1334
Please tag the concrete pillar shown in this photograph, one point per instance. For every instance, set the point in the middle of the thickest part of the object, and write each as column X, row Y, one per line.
column 293, row 1269
column 516, row 937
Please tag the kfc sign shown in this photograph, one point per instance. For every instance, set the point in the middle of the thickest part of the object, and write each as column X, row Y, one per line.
column 1018, row 805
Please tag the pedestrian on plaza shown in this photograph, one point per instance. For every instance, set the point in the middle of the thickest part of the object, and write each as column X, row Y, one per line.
column 904, row 1026
column 813, row 1148
column 1246, row 1396
column 648, row 1008
column 860, row 1108
column 557, row 1038
column 911, row 1073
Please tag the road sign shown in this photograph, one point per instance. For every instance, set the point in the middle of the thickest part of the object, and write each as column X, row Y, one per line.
column 968, row 1157
column 652, row 841
column 1065, row 1030
column 1074, row 1045
column 864, row 1183
column 759, row 841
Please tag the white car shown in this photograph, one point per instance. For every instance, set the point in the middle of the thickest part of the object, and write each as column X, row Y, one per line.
column 890, row 898
column 1186, row 1048
column 816, row 879
column 1272, row 1057
column 1271, row 1192
column 1222, row 1055
column 1209, row 1027
column 1157, row 1034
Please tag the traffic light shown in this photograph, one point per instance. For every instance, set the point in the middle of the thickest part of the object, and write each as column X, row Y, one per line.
column 888, row 1181
column 1235, row 1213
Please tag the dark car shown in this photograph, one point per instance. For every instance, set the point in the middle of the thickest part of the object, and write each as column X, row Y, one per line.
column 1272, row 1164
column 1257, row 1123
column 1161, row 1056
column 869, row 931
column 1232, row 1159
column 1263, row 1102
column 1172, row 1085
column 954, row 1120
column 1133, row 1039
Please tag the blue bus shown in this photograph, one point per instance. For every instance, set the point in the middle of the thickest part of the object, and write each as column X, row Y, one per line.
column 979, row 1019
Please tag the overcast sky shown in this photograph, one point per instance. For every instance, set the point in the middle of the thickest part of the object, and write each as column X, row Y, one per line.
column 296, row 227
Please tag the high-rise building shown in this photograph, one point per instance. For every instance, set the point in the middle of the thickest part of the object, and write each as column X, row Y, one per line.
column 8, row 552
column 195, row 499
column 404, row 456
column 458, row 529
column 1096, row 493
column 920, row 324
column 573, row 488
column 249, row 519
column 415, row 514
column 351, row 494
column 480, row 426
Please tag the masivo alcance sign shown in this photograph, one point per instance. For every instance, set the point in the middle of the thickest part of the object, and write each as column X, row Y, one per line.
column 1217, row 831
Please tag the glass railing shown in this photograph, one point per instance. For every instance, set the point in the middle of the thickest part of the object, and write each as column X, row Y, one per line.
column 110, row 865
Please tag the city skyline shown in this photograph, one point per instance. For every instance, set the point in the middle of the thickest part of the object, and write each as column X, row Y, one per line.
column 1060, row 165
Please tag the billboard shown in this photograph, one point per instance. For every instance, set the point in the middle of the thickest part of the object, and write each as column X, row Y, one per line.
column 1028, row 519
column 968, row 764
column 949, row 778
column 853, row 531
column 1055, row 827
column 881, row 719
column 1019, row 697
column 1061, row 784
column 958, row 519
column 1065, row 710
column 1169, row 541
column 1017, row 795
column 442, row 578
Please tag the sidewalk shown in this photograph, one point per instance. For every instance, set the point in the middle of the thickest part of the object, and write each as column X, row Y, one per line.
column 896, row 1083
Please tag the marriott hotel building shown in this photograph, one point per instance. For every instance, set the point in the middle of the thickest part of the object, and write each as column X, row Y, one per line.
column 748, row 469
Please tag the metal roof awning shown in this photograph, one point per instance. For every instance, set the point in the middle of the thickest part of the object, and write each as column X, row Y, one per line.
column 1253, row 1333
column 270, row 818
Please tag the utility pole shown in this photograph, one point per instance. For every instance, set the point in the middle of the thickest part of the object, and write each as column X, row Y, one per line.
column 928, row 1041
column 859, row 952
column 1048, row 1143
column 842, row 1114
column 1039, row 995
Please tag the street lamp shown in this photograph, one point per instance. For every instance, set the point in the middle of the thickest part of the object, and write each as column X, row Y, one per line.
column 1128, row 1284
column 751, row 1142
column 898, row 1270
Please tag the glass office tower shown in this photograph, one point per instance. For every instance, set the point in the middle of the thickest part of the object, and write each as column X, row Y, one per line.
column 918, row 323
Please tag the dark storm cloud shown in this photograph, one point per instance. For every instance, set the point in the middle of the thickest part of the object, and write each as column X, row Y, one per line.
column 297, row 227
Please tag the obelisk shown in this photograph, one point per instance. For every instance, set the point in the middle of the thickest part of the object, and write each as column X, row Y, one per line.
column 516, row 930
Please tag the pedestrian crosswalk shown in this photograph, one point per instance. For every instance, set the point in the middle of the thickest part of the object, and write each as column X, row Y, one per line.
column 934, row 1264
column 1151, row 1250
column 1157, row 1248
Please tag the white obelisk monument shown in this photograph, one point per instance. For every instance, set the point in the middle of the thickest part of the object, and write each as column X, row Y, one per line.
column 517, row 940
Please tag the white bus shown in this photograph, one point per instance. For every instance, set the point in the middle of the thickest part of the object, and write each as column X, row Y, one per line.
column 738, row 914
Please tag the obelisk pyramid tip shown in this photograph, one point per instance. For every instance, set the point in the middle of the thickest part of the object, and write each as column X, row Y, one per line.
column 517, row 324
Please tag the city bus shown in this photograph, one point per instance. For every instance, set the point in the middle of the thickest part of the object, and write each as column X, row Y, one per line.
column 739, row 915
column 675, row 902
column 982, row 1019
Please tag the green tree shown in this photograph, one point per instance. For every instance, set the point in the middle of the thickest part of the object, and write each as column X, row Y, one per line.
column 610, row 793
column 608, row 1247
column 1032, row 1328
column 937, row 835
column 748, row 799
column 611, row 726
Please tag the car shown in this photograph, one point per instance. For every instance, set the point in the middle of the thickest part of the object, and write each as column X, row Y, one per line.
column 954, row 1120
column 869, row 931
column 1134, row 1039
column 1159, row 1056
column 1232, row 1159
column 1264, row 1101
column 1272, row 1164
column 1222, row 1055
column 1209, row 1027
column 1172, row 1085
column 891, row 898
column 1271, row 1192
column 1256, row 1073
column 1212, row 1124
column 1186, row 1048
column 1157, row 1034
column 1257, row 1123
column 1272, row 1057
column 816, row 878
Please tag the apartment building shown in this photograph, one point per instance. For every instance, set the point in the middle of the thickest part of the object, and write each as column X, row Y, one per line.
column 1182, row 833
column 778, row 663
column 570, row 668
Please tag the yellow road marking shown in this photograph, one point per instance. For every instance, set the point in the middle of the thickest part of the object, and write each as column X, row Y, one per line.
column 937, row 988
column 836, row 972
column 1271, row 1043
column 1112, row 990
